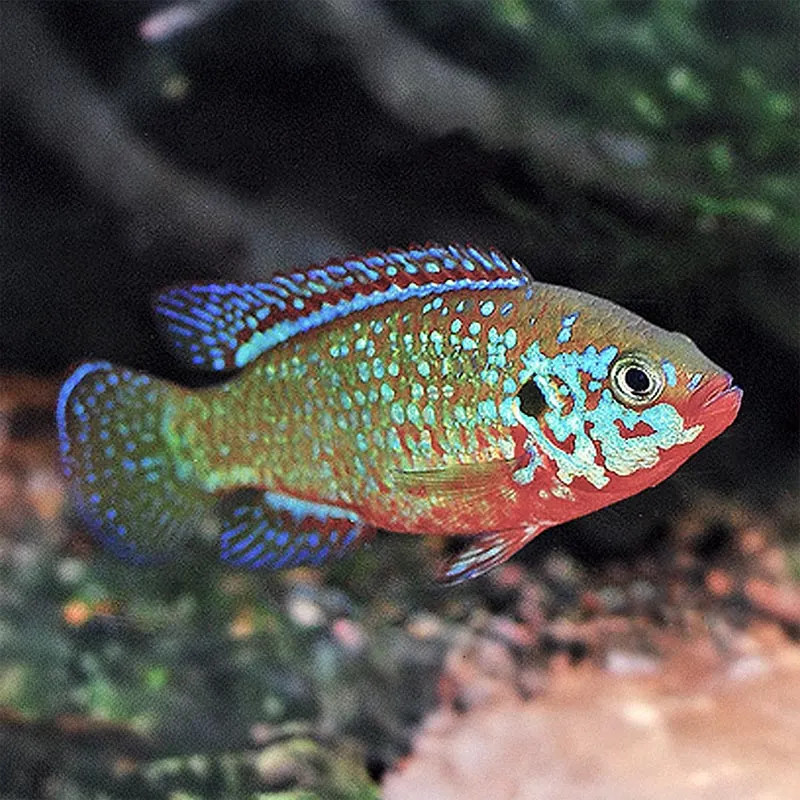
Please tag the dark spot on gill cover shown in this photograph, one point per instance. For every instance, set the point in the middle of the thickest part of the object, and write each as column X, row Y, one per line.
column 531, row 400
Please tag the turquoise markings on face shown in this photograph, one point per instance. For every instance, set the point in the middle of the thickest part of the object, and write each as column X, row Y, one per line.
column 525, row 474
column 567, row 321
column 669, row 372
column 622, row 456
column 567, row 367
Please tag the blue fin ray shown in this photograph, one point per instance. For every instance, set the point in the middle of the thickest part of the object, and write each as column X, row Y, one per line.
column 482, row 553
column 267, row 529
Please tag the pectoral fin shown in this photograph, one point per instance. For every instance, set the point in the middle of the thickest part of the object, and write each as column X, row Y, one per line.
column 483, row 552
column 267, row 529
column 467, row 483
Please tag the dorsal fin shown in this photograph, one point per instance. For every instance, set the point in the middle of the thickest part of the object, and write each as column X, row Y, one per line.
column 221, row 326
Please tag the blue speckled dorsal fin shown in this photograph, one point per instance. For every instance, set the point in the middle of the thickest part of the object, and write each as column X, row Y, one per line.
column 221, row 326
column 482, row 553
column 266, row 529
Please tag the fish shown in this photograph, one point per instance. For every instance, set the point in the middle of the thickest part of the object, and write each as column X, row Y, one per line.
column 433, row 390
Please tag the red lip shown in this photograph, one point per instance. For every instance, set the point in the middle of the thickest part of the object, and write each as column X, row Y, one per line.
column 716, row 403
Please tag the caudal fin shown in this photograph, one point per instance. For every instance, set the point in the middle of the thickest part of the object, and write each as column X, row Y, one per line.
column 111, row 424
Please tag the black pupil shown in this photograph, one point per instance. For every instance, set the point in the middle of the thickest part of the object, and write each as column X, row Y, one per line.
column 636, row 380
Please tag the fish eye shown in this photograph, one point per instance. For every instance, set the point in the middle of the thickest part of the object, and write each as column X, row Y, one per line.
column 636, row 380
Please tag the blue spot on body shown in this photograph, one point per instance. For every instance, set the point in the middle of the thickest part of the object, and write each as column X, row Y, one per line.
column 567, row 321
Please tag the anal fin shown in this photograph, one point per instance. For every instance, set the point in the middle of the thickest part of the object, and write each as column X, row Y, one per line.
column 483, row 552
column 268, row 529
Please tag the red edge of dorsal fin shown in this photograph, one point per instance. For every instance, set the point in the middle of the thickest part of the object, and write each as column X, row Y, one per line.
column 216, row 326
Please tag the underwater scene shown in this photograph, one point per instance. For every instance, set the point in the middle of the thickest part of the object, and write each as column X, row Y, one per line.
column 400, row 400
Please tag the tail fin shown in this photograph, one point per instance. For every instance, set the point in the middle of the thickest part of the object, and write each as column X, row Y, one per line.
column 111, row 424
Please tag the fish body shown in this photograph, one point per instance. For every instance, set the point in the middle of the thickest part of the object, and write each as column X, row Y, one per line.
column 437, row 390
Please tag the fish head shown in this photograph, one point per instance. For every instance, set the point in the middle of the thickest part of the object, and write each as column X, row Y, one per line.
column 610, row 403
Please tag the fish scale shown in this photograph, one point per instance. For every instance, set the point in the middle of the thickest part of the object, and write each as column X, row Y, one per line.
column 386, row 392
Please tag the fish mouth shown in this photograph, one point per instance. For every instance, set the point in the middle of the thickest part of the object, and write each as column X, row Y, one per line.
column 716, row 402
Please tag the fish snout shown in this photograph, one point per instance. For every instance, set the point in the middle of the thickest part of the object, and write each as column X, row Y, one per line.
column 716, row 403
